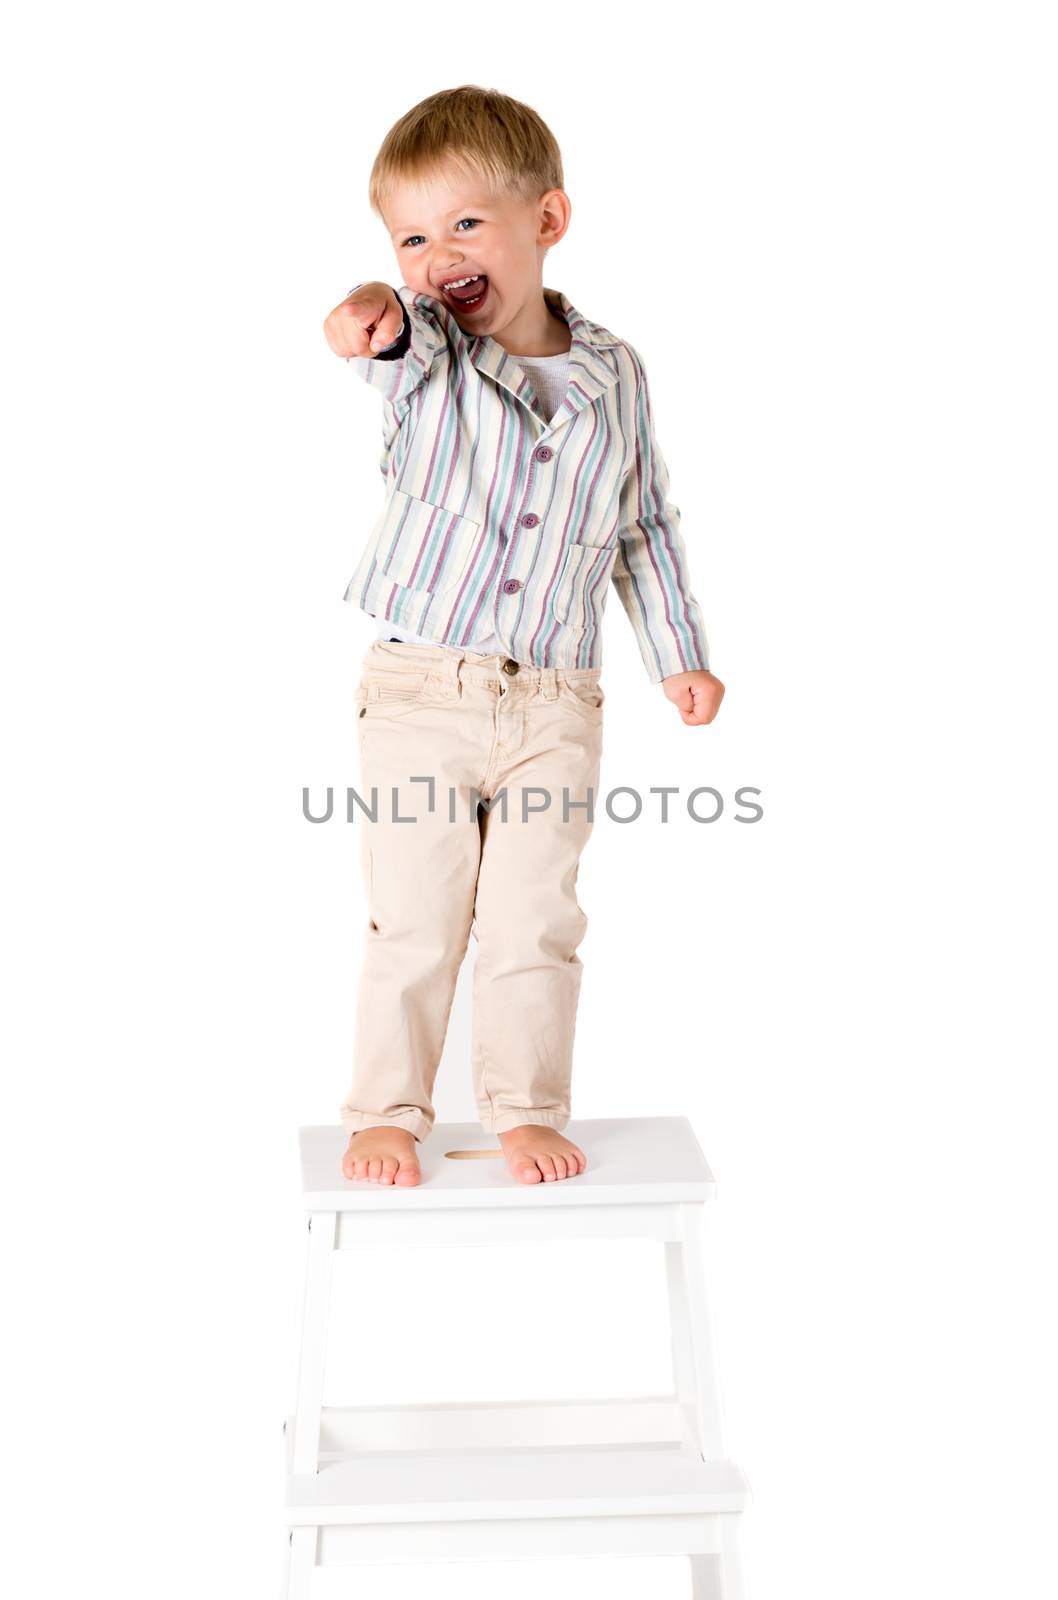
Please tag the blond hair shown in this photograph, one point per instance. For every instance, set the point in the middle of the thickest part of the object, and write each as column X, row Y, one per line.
column 479, row 130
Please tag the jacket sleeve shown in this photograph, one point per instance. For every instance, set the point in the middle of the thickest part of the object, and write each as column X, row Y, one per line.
column 650, row 572
column 402, row 367
column 405, row 364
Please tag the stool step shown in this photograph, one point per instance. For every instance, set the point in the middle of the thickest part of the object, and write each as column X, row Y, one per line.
column 503, row 1425
column 461, row 1486
column 631, row 1160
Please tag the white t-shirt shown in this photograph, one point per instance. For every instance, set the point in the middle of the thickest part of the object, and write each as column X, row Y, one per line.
column 549, row 376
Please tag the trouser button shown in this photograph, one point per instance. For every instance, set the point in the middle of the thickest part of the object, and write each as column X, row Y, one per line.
column 510, row 666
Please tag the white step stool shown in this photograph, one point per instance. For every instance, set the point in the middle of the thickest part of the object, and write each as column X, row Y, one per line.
column 503, row 1482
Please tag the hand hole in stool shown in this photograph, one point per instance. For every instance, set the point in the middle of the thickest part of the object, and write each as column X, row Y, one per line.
column 472, row 1155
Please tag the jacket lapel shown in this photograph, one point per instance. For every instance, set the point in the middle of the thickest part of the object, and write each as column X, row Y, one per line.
column 592, row 369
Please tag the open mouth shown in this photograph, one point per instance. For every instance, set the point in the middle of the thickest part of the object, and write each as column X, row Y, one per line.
column 468, row 295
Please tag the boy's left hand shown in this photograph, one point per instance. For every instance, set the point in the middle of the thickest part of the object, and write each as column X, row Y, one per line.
column 696, row 695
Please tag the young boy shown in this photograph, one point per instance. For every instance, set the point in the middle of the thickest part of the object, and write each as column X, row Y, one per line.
column 522, row 476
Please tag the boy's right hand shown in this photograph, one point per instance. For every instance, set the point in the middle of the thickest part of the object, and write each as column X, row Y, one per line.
column 365, row 322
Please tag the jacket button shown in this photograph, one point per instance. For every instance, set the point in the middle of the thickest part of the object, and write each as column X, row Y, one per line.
column 543, row 453
column 530, row 519
column 512, row 586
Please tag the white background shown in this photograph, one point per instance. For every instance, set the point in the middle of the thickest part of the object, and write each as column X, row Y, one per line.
column 829, row 229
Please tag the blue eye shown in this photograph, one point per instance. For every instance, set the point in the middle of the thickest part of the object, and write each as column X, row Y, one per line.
column 471, row 220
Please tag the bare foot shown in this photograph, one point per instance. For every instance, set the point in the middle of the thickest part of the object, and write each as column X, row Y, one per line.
column 536, row 1154
column 382, row 1155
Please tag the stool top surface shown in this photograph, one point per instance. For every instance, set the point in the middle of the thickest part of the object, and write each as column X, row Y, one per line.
column 630, row 1159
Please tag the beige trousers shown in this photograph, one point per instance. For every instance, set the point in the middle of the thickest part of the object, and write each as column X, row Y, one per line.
column 440, row 732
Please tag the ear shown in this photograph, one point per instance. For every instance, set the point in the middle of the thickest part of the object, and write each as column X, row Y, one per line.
column 555, row 210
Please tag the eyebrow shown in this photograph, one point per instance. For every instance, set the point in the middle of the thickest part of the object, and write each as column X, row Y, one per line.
column 471, row 205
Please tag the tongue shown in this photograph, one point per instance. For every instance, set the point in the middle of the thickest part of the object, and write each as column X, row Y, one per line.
column 469, row 291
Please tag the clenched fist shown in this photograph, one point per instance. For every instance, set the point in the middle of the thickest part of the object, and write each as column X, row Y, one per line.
column 365, row 322
column 696, row 695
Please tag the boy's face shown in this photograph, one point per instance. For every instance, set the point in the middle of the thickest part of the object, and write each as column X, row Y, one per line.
column 450, row 226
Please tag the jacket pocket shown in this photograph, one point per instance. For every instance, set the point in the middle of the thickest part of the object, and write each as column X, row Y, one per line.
column 423, row 546
column 579, row 594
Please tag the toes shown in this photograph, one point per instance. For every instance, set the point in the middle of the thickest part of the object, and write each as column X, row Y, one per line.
column 528, row 1171
column 353, row 1164
column 380, row 1168
column 562, row 1164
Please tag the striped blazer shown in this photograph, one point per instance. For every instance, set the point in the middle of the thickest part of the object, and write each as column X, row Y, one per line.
column 495, row 515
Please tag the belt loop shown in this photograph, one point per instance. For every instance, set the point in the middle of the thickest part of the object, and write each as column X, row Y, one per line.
column 549, row 683
column 454, row 658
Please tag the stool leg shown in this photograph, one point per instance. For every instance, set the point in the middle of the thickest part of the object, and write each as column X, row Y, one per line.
column 322, row 1226
column 733, row 1586
column 302, row 1563
column 680, row 1327
column 694, row 1361
column 720, row 1577
column 705, row 1578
